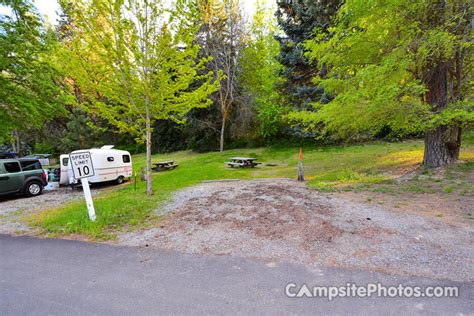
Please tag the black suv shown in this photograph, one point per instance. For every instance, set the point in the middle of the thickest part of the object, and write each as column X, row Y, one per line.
column 22, row 176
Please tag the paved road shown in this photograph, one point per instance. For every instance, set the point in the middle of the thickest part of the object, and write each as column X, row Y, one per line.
column 59, row 277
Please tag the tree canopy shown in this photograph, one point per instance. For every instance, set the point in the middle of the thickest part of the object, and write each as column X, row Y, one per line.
column 298, row 21
column 260, row 72
column 195, row 74
column 31, row 88
column 383, row 58
column 137, row 62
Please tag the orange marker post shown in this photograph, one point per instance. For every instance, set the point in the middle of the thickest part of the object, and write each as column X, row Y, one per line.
column 300, row 166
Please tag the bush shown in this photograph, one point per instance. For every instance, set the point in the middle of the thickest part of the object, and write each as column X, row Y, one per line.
column 133, row 148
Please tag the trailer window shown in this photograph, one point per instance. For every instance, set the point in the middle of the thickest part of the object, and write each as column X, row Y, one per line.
column 126, row 158
column 65, row 161
column 12, row 167
column 110, row 159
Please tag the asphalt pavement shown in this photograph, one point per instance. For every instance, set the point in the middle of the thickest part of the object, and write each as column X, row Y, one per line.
column 61, row 277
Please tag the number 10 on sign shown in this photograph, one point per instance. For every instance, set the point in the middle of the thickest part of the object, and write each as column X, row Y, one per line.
column 82, row 168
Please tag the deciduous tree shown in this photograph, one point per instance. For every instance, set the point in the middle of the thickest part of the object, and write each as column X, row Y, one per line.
column 398, row 65
column 259, row 71
column 223, row 32
column 30, row 87
column 137, row 62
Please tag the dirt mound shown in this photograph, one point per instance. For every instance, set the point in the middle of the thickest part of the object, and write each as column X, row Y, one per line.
column 259, row 211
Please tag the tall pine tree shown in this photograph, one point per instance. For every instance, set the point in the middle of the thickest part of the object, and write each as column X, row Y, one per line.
column 299, row 19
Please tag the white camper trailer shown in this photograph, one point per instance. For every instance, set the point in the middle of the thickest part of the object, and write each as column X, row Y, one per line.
column 109, row 165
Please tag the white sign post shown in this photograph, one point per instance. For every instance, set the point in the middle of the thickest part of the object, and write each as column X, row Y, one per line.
column 82, row 168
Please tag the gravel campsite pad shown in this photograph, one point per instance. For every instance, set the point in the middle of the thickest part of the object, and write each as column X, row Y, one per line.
column 285, row 220
column 14, row 208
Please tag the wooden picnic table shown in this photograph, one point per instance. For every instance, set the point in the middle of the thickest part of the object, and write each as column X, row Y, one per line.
column 243, row 162
column 164, row 165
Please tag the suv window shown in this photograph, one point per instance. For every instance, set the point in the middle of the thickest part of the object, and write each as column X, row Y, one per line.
column 12, row 167
column 30, row 165
column 126, row 158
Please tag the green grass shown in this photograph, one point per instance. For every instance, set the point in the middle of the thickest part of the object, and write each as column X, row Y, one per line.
column 326, row 169
column 449, row 189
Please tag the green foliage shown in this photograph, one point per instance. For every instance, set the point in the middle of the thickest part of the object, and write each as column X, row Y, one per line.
column 43, row 147
column 259, row 72
column 461, row 112
column 30, row 89
column 129, row 55
column 137, row 62
column 203, row 129
column 133, row 149
column 299, row 19
column 379, row 55
column 80, row 132
column 169, row 136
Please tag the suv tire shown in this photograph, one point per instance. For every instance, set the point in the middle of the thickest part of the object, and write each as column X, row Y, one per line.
column 33, row 188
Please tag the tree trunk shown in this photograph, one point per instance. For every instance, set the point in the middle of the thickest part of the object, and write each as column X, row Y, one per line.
column 224, row 119
column 16, row 142
column 149, row 187
column 442, row 146
column 443, row 143
column 13, row 146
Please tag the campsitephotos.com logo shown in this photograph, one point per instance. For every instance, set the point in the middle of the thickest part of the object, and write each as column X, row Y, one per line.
column 293, row 290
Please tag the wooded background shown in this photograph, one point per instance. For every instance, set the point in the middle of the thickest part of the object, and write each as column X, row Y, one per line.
column 198, row 74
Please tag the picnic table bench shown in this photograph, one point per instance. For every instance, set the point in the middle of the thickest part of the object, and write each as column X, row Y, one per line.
column 243, row 162
column 164, row 165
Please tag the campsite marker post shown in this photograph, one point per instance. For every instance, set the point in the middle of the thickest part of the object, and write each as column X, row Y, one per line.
column 300, row 166
column 82, row 169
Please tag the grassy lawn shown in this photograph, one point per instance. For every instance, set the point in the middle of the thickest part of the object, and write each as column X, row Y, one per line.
column 326, row 168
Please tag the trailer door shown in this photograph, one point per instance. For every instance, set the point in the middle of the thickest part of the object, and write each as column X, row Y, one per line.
column 63, row 177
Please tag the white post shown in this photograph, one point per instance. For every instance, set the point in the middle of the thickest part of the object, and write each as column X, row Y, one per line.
column 88, row 196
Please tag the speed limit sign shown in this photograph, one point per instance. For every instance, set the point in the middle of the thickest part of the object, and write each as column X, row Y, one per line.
column 82, row 168
column 81, row 163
